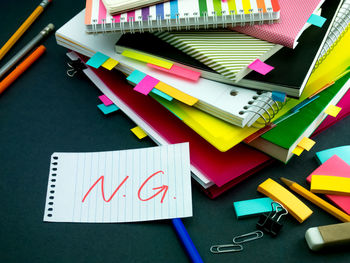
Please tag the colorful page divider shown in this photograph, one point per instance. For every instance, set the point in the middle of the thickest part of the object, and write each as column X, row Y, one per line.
column 97, row 60
column 146, row 85
column 260, row 67
column 332, row 110
column 139, row 132
column 306, row 143
column 147, row 59
column 107, row 109
column 316, row 20
column 105, row 100
column 179, row 71
column 279, row 96
column 161, row 94
column 298, row 150
column 136, row 76
column 110, row 63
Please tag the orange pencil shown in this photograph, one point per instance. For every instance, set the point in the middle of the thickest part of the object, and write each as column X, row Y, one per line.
column 23, row 28
column 25, row 64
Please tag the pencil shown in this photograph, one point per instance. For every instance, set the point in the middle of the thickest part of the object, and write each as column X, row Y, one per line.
column 23, row 66
column 23, row 28
column 317, row 200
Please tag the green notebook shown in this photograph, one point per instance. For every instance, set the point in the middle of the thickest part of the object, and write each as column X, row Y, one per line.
column 282, row 140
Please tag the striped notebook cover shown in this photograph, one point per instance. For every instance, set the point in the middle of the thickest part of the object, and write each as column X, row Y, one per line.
column 228, row 53
column 178, row 14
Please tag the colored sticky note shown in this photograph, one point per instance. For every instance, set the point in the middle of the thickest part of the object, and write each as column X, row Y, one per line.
column 343, row 152
column 179, row 71
column 281, row 195
column 279, row 96
column 306, row 143
column 146, row 85
column 147, row 59
column 136, row 76
column 316, row 20
column 298, row 150
column 162, row 94
column 334, row 185
column 335, row 166
column 107, row 109
column 252, row 207
column 332, row 110
column 97, row 60
column 139, row 132
column 105, row 100
column 260, row 67
column 110, row 63
column 176, row 94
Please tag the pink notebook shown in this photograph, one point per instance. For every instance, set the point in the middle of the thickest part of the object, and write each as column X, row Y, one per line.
column 293, row 17
column 335, row 166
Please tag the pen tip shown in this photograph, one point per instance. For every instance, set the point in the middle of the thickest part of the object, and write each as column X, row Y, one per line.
column 286, row 181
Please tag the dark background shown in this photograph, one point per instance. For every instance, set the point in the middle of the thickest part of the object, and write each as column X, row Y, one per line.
column 45, row 111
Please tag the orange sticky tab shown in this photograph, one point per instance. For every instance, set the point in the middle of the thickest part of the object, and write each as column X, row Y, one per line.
column 306, row 143
column 298, row 150
column 332, row 110
column 176, row 94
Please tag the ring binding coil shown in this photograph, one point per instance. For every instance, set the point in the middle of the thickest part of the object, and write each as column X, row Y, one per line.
column 264, row 106
column 49, row 208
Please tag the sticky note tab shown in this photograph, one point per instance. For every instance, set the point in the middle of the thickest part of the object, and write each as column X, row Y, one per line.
column 343, row 152
column 334, row 185
column 136, row 76
column 332, row 110
column 260, row 67
column 281, row 195
column 108, row 109
column 110, row 63
column 179, row 71
column 298, row 150
column 176, row 94
column 306, row 143
column 147, row 59
column 316, row 20
column 97, row 60
column 139, row 132
column 162, row 94
column 105, row 100
column 252, row 207
column 146, row 85
column 279, row 96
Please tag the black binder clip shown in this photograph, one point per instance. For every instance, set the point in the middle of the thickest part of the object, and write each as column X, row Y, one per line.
column 270, row 223
column 75, row 66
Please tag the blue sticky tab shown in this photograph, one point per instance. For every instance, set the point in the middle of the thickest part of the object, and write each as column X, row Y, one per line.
column 316, row 20
column 252, row 207
column 279, row 96
column 107, row 109
column 162, row 94
column 343, row 153
column 136, row 76
column 97, row 60
column 304, row 103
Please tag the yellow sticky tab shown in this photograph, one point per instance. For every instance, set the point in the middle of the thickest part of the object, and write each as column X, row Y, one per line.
column 139, row 132
column 147, row 59
column 298, row 150
column 281, row 195
column 306, row 143
column 176, row 94
column 110, row 63
column 332, row 110
column 333, row 185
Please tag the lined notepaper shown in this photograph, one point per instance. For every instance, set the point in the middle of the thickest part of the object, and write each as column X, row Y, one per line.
column 120, row 186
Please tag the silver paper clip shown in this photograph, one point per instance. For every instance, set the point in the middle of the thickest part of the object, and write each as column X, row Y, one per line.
column 217, row 249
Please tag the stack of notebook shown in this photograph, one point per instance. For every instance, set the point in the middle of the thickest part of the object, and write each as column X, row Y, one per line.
column 206, row 76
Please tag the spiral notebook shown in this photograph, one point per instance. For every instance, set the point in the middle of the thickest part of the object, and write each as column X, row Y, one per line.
column 118, row 6
column 181, row 14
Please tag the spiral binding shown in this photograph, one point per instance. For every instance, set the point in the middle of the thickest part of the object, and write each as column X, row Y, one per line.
column 52, row 185
column 266, row 112
column 187, row 23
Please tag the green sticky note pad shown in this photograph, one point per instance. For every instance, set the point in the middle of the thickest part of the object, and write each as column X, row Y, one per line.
column 252, row 207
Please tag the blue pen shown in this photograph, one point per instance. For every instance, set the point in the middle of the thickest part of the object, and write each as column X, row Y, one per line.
column 186, row 240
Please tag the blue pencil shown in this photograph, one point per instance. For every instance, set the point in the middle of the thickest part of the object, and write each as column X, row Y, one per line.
column 186, row 240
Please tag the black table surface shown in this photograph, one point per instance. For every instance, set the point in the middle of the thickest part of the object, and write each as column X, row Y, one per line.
column 46, row 111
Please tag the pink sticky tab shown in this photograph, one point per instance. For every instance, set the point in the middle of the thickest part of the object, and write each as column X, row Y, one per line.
column 260, row 67
column 146, row 85
column 105, row 100
column 179, row 71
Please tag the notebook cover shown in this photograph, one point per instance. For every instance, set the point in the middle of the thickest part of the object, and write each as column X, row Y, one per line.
column 335, row 166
